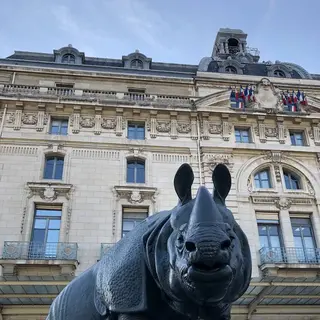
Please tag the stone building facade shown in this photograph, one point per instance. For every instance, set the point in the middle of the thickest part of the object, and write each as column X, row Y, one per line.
column 90, row 146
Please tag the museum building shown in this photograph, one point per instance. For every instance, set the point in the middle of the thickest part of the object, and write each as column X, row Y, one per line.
column 89, row 147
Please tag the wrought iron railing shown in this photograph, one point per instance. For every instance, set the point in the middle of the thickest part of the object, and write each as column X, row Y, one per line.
column 104, row 248
column 17, row 250
column 290, row 255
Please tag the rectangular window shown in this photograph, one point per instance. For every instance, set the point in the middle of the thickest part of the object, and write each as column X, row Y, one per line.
column 135, row 171
column 64, row 85
column 136, row 90
column 131, row 217
column 136, row 130
column 242, row 135
column 53, row 168
column 59, row 126
column 45, row 233
column 271, row 250
column 297, row 138
column 305, row 244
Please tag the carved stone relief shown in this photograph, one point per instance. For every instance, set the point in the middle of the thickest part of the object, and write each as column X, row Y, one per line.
column 29, row 118
column 283, row 203
column 87, row 122
column 215, row 128
column 277, row 173
column 135, row 195
column 184, row 127
column 48, row 192
column 108, row 123
column 163, row 126
column 214, row 159
column 274, row 156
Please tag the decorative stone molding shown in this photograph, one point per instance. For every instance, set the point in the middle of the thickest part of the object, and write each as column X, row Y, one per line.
column 194, row 127
column 213, row 159
column 170, row 158
column 275, row 156
column 97, row 120
column 136, row 153
column 136, row 195
column 108, row 123
column 215, row 128
column 174, row 125
column 183, row 127
column 7, row 150
column 29, row 118
column 87, row 122
column 280, row 202
column 314, row 134
column 42, row 118
column 283, row 203
column 96, row 154
column 55, row 148
column 272, row 68
column 120, row 123
column 79, row 56
column 163, row 126
column 49, row 191
column 277, row 173
column 75, row 120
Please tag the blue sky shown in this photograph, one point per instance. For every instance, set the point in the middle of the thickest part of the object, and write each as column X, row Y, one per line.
column 181, row 31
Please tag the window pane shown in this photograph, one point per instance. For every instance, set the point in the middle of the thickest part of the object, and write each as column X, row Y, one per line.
column 48, row 170
column 53, row 236
column 54, row 224
column 294, row 184
column 131, row 132
column 264, row 242
column 309, row 243
column 38, row 235
column 287, row 181
column 140, row 133
column 64, row 130
column 55, row 129
column 273, row 230
column 48, row 213
column 275, row 241
column 40, row 223
column 262, row 230
column 296, row 231
column 130, row 174
column 265, row 184
column 140, row 175
column 58, row 170
column 264, row 175
column 298, row 242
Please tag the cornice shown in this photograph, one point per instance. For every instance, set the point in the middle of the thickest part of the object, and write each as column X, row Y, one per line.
column 96, row 74
column 95, row 145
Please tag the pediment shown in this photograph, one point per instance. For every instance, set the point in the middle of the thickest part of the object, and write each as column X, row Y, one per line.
column 219, row 100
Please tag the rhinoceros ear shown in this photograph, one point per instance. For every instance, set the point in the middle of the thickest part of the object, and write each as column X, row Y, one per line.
column 221, row 179
column 183, row 181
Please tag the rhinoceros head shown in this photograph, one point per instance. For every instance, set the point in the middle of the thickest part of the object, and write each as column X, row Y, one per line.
column 209, row 255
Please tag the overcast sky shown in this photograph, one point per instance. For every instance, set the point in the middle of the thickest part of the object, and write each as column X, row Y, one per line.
column 181, row 31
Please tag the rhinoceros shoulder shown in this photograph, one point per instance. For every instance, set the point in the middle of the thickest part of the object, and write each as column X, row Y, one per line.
column 122, row 272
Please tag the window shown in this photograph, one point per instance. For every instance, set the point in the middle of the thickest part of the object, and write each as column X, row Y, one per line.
column 64, row 85
column 305, row 246
column 291, row 180
column 279, row 74
column 262, row 179
column 269, row 235
column 53, row 168
column 131, row 217
column 231, row 70
column 45, row 233
column 297, row 138
column 68, row 58
column 233, row 46
column 137, row 90
column 136, row 131
column 59, row 126
column 136, row 64
column 270, row 241
column 135, row 171
column 242, row 135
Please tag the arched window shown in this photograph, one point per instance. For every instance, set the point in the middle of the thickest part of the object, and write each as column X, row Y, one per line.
column 279, row 74
column 53, row 168
column 136, row 64
column 69, row 58
column 233, row 46
column 292, row 181
column 262, row 179
column 136, row 171
column 231, row 69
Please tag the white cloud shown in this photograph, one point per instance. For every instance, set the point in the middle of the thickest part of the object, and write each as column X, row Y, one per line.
column 139, row 19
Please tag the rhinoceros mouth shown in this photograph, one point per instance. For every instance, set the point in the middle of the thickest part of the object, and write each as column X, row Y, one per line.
column 202, row 273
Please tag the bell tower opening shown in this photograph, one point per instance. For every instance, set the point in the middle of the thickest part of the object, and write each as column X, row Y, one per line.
column 233, row 46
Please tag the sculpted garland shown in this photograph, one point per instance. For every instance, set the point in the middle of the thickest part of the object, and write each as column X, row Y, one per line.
column 187, row 263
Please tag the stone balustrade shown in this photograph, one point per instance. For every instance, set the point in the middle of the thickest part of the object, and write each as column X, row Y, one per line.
column 92, row 95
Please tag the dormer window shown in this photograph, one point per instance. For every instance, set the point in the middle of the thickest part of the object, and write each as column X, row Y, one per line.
column 231, row 69
column 68, row 59
column 279, row 74
column 136, row 64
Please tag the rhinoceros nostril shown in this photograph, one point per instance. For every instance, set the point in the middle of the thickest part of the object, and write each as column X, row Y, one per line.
column 190, row 246
column 225, row 244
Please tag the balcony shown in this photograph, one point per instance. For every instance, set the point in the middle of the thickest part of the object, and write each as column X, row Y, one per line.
column 34, row 258
column 104, row 248
column 289, row 261
column 98, row 96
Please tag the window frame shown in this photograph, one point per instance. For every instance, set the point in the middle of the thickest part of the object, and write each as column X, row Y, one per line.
column 298, row 179
column 38, row 250
column 137, row 125
column 241, row 130
column 60, row 120
column 258, row 173
column 68, row 61
column 137, row 64
column 303, row 137
column 136, row 161
column 138, row 215
column 56, row 158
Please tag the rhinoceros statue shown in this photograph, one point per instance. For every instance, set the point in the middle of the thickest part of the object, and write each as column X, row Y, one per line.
column 190, row 262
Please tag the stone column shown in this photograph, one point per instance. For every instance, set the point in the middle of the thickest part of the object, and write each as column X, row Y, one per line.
column 153, row 124
column 286, row 229
column 120, row 124
column 41, row 116
column 281, row 130
column 97, row 120
column 76, row 119
column 194, row 129
column 174, row 123
column 18, row 116
column 205, row 126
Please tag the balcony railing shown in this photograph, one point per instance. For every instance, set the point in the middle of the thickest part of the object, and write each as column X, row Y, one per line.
column 290, row 255
column 104, row 248
column 79, row 94
column 16, row 250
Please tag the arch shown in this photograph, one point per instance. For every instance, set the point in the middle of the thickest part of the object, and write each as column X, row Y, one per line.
column 68, row 58
column 136, row 58
column 204, row 64
column 279, row 73
column 262, row 178
column 136, row 64
column 233, row 45
column 292, row 179
column 254, row 163
column 231, row 69
column 68, row 51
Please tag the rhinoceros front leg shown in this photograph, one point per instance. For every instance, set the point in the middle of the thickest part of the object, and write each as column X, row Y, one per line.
column 137, row 316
